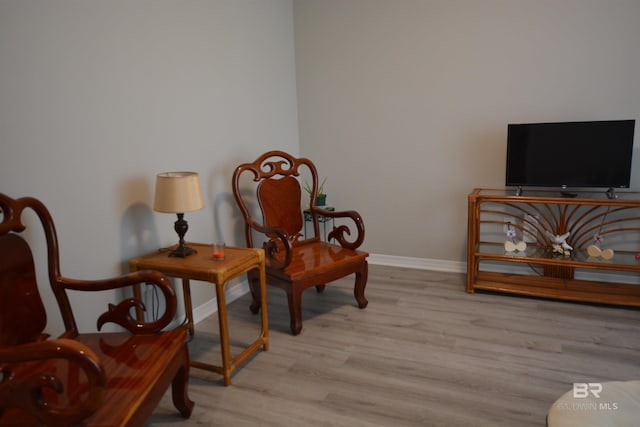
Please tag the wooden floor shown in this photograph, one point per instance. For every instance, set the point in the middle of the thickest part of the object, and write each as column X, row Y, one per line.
column 423, row 353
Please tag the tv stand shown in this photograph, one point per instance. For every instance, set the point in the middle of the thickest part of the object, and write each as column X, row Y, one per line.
column 611, row 193
column 537, row 271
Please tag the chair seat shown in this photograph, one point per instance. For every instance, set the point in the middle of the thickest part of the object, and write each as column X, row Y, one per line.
column 139, row 369
column 320, row 259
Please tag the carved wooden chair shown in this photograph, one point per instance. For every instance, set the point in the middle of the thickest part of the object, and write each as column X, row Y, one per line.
column 296, row 262
column 87, row 379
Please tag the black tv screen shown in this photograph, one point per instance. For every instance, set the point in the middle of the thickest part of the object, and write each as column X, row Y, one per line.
column 570, row 154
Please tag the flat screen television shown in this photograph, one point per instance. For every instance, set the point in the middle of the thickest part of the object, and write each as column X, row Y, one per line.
column 570, row 154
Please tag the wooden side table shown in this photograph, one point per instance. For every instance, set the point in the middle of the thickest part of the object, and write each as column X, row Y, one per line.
column 201, row 266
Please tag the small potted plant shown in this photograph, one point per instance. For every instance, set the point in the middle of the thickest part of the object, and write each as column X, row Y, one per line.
column 321, row 196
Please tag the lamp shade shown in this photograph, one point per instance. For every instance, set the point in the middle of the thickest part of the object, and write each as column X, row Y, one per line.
column 177, row 192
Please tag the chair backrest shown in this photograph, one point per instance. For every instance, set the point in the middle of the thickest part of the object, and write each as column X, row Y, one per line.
column 279, row 194
column 280, row 201
column 22, row 313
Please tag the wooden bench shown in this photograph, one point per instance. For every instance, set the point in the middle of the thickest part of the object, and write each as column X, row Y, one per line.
column 87, row 379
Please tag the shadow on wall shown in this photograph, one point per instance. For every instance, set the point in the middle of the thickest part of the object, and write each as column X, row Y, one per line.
column 138, row 233
column 227, row 222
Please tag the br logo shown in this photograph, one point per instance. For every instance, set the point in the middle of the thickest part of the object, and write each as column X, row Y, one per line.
column 583, row 390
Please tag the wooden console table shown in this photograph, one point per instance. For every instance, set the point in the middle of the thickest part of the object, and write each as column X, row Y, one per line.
column 531, row 215
column 201, row 266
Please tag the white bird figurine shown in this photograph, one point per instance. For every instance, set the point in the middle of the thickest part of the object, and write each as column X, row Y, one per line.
column 560, row 241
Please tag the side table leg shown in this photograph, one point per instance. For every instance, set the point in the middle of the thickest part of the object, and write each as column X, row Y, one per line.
column 224, row 333
column 263, row 308
column 188, row 306
column 137, row 294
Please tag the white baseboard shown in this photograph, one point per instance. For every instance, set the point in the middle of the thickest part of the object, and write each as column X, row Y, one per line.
column 418, row 263
column 210, row 307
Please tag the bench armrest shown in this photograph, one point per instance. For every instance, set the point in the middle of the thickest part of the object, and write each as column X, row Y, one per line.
column 28, row 381
column 120, row 314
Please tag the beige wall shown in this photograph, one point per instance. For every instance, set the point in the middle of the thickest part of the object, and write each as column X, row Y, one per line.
column 96, row 97
column 404, row 104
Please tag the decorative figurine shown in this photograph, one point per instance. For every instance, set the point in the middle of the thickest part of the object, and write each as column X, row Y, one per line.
column 511, row 245
column 559, row 243
column 595, row 251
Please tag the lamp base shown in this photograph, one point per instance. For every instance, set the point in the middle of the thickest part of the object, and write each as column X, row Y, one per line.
column 181, row 228
column 182, row 251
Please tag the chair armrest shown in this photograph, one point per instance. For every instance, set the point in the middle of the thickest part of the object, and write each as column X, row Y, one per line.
column 278, row 248
column 339, row 232
column 26, row 386
column 121, row 314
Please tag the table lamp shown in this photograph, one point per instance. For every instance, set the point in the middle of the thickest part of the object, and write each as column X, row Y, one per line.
column 178, row 192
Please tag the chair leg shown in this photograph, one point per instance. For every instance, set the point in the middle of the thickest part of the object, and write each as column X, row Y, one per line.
column 361, row 282
column 180, row 387
column 294, row 298
column 254, row 287
column 320, row 288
